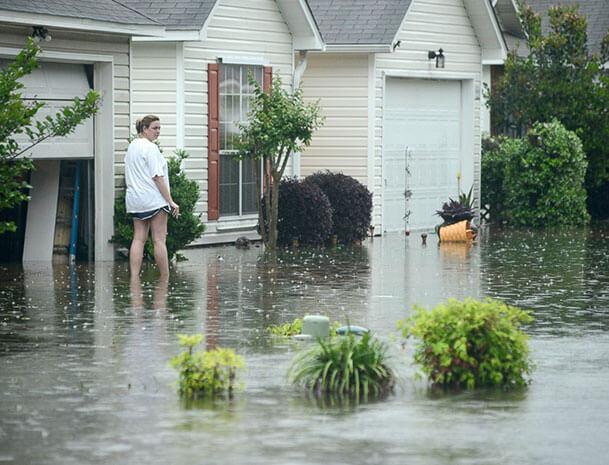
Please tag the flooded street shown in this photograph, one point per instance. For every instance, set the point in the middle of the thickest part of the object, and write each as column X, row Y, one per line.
column 85, row 379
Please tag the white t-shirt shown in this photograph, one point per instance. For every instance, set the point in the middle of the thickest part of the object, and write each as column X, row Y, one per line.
column 142, row 163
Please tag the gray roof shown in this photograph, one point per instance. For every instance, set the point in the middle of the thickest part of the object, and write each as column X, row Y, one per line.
column 99, row 10
column 596, row 12
column 358, row 22
column 175, row 15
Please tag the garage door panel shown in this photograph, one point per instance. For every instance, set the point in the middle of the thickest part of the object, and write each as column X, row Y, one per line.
column 56, row 85
column 422, row 124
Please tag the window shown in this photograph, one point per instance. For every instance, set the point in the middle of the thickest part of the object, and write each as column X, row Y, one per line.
column 231, row 189
column 237, row 182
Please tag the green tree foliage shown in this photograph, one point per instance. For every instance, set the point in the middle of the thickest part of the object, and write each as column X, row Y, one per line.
column 471, row 344
column 559, row 78
column 279, row 124
column 18, row 118
column 538, row 180
column 180, row 231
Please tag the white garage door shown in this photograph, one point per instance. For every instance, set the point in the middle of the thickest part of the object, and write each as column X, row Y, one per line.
column 56, row 84
column 421, row 150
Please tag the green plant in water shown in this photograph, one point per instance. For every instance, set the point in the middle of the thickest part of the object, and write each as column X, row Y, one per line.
column 471, row 343
column 206, row 374
column 293, row 328
column 344, row 366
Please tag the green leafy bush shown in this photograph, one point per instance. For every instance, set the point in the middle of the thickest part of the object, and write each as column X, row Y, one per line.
column 206, row 374
column 541, row 178
column 351, row 203
column 304, row 213
column 180, row 231
column 494, row 161
column 471, row 344
column 344, row 365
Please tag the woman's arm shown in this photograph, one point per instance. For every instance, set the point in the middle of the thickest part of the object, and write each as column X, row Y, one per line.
column 160, row 184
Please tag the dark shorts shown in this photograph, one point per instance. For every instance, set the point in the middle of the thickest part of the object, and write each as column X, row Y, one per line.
column 149, row 214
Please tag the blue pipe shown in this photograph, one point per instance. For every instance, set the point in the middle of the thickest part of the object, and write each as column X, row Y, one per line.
column 75, row 206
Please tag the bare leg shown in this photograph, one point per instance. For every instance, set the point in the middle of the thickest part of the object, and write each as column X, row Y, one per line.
column 136, row 252
column 158, row 228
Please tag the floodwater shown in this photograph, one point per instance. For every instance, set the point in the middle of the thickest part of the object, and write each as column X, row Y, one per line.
column 84, row 375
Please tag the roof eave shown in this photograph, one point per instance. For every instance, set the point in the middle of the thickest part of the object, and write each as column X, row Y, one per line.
column 79, row 24
column 359, row 48
column 302, row 25
column 487, row 29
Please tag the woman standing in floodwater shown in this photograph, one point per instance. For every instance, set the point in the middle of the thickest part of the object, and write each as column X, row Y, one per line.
column 148, row 197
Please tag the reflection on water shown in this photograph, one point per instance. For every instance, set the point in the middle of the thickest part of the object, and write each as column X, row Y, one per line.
column 84, row 355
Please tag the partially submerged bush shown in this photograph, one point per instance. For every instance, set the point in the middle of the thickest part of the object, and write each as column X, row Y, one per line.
column 351, row 203
column 293, row 328
column 206, row 374
column 180, row 231
column 304, row 214
column 537, row 180
column 344, row 365
column 471, row 344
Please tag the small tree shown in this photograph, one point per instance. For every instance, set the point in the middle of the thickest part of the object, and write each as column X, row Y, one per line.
column 559, row 78
column 278, row 125
column 16, row 117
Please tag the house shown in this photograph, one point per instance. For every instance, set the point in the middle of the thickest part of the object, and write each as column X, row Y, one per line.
column 400, row 87
column 85, row 45
column 195, row 78
column 394, row 119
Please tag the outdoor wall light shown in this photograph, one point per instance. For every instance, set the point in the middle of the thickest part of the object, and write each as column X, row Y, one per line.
column 439, row 56
column 41, row 33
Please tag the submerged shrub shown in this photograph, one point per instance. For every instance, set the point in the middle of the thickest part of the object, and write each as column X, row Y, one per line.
column 471, row 344
column 304, row 213
column 180, row 231
column 351, row 203
column 293, row 328
column 206, row 374
column 344, row 365
column 538, row 180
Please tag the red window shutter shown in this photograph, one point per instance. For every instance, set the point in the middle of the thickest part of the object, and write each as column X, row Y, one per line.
column 267, row 79
column 213, row 141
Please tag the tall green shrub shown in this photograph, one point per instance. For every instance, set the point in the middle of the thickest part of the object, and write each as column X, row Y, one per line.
column 180, row 231
column 471, row 344
column 351, row 203
column 544, row 178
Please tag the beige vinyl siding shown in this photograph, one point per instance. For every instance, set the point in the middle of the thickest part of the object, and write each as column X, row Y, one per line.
column 154, row 87
column 241, row 29
column 429, row 25
column 340, row 83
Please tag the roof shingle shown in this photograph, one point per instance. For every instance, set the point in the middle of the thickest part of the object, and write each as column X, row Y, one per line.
column 358, row 22
column 100, row 10
column 175, row 15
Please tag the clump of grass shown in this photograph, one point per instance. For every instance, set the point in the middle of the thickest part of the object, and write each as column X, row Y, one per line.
column 344, row 366
column 471, row 344
column 211, row 373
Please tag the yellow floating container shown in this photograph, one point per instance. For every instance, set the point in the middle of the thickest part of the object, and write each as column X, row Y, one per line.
column 457, row 232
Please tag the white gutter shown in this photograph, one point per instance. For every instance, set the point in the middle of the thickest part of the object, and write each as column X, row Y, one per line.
column 79, row 24
column 298, row 73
